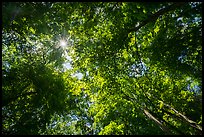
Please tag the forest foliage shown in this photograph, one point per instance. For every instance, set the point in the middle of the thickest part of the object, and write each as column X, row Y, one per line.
column 140, row 66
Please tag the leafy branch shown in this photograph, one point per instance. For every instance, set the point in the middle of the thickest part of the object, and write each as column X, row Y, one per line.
column 156, row 15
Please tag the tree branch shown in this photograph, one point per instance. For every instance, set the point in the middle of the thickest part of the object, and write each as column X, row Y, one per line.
column 156, row 15
column 164, row 128
column 191, row 122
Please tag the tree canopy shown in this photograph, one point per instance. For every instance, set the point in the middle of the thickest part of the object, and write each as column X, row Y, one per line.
column 102, row 68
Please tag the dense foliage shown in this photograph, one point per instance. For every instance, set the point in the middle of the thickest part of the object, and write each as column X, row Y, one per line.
column 102, row 68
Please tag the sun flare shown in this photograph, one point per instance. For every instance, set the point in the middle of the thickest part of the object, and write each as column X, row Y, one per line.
column 63, row 43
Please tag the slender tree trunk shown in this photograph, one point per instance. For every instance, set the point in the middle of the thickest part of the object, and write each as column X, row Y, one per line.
column 185, row 119
column 162, row 126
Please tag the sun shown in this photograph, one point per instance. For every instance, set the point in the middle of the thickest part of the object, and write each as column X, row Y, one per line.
column 63, row 43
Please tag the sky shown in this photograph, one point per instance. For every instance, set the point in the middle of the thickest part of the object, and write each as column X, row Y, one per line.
column 67, row 65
